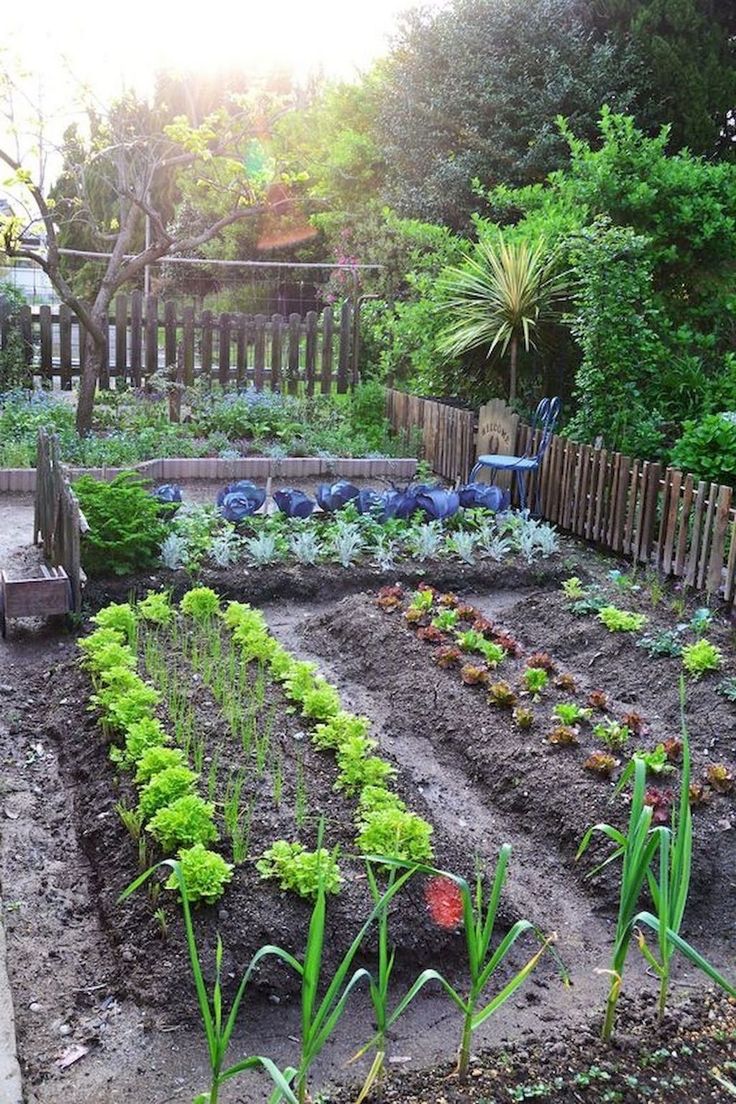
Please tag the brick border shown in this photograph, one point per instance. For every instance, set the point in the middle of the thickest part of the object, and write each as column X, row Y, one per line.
column 13, row 480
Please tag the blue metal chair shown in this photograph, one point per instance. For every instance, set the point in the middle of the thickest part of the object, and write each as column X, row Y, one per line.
column 545, row 419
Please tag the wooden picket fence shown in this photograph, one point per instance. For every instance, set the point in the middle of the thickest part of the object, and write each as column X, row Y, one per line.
column 664, row 519
column 317, row 352
column 58, row 522
column 447, row 433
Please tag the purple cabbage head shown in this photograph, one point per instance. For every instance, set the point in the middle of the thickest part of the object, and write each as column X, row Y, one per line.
column 333, row 496
column 437, row 504
column 295, row 504
column 167, row 492
column 487, row 495
column 245, row 489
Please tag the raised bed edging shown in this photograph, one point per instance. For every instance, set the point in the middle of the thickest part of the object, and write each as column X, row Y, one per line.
column 13, row 480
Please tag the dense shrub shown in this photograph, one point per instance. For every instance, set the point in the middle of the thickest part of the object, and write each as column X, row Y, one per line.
column 125, row 529
column 707, row 449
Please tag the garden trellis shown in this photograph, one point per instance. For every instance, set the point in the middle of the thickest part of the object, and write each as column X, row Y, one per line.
column 317, row 352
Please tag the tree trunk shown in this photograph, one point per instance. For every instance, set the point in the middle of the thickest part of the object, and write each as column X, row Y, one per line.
column 512, row 374
column 94, row 350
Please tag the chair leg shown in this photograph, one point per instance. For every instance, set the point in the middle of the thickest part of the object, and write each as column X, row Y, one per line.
column 521, row 486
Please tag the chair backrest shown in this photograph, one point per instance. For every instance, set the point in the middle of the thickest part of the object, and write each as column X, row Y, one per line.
column 544, row 420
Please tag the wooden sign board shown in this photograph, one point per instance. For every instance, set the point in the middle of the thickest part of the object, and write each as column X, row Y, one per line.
column 497, row 425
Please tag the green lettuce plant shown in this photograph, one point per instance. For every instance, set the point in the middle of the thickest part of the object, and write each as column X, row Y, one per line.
column 617, row 620
column 299, row 870
column 701, row 657
column 185, row 822
column 165, row 787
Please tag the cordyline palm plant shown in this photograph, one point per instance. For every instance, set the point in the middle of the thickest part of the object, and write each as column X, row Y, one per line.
column 499, row 296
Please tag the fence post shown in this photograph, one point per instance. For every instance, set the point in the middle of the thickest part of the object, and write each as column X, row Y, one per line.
column 295, row 325
column 327, row 331
column 343, row 367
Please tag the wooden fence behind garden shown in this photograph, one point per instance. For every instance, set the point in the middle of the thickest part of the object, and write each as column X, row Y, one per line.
column 316, row 352
column 57, row 521
column 662, row 518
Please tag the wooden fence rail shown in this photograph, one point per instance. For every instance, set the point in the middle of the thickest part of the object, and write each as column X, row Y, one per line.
column 447, row 433
column 57, row 520
column 144, row 336
column 665, row 519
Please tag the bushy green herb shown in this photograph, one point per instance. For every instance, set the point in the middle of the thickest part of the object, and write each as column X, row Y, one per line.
column 156, row 759
column 358, row 768
column 120, row 617
column 165, row 787
column 617, row 620
column 202, row 604
column 339, row 728
column 183, row 823
column 396, row 834
column 125, row 528
column 300, row 870
column 701, row 657
column 205, row 874
column 156, row 607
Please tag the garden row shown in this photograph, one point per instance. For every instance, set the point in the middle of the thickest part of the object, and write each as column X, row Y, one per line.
column 130, row 530
column 466, row 641
column 133, row 426
column 177, row 818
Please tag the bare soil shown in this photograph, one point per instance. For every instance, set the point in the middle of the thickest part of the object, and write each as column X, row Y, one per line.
column 93, row 975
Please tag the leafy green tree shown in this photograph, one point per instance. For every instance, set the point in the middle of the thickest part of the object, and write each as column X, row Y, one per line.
column 473, row 89
column 222, row 160
column 688, row 53
column 616, row 324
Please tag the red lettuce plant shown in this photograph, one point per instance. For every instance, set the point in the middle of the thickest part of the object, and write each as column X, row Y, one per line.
column 448, row 656
column 431, row 635
column 542, row 660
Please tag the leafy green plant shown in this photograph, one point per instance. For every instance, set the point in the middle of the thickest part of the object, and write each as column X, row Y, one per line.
column 701, row 621
column 155, row 759
column 301, row 871
column 573, row 589
column 321, row 702
column 701, row 657
column 668, row 883
column 187, row 821
column 120, row 618
column 613, row 734
column 617, row 620
column 728, row 688
column 422, row 600
column 568, row 713
column 358, row 768
column 103, row 649
column 205, row 872
column 374, row 799
column 665, row 643
column 156, row 607
column 656, row 761
column 563, row 736
column 395, row 833
column 707, row 449
column 140, row 736
column 478, row 909
column 601, row 763
column 125, row 528
column 445, row 620
column 523, row 717
column 338, row 728
column 535, row 680
column 202, row 604
column 166, row 787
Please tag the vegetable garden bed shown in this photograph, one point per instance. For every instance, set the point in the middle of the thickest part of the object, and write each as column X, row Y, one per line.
column 463, row 765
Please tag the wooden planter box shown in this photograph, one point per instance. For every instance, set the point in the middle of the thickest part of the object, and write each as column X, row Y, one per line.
column 41, row 596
